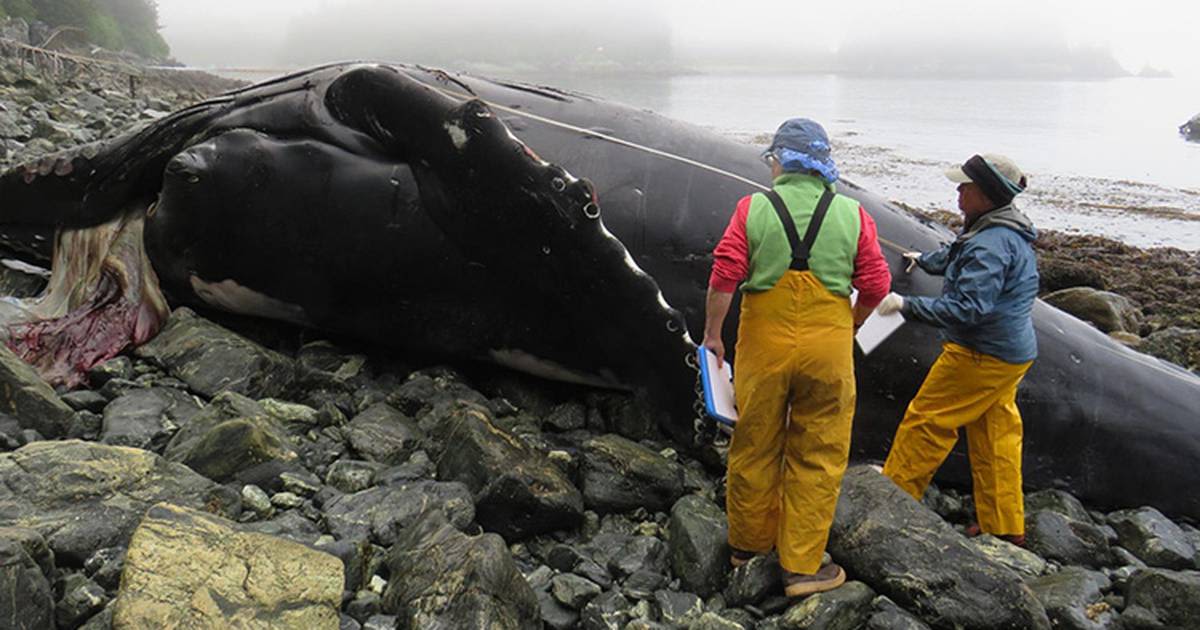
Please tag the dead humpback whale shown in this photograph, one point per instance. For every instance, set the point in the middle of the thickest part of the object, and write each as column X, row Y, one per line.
column 546, row 230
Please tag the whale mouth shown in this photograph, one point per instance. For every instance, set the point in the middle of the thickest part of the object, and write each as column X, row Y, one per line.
column 102, row 297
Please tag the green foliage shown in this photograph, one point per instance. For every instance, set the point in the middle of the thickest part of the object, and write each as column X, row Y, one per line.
column 114, row 24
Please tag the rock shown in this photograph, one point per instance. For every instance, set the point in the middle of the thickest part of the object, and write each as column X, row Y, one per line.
column 619, row 475
column 297, row 419
column 843, row 608
column 573, row 591
column 212, row 359
column 186, row 568
column 85, row 496
column 1154, row 539
column 85, row 400
column 679, row 609
column 699, row 551
column 609, row 611
column 101, row 621
column 1160, row 598
column 1057, row 501
column 26, row 601
column 1107, row 311
column 1190, row 130
column 79, row 603
column 105, row 567
column 441, row 577
column 352, row 476
column 26, row 397
column 1024, row 562
column 146, row 418
column 381, row 513
column 554, row 614
column 903, row 550
column 115, row 368
column 231, row 435
column 518, row 491
column 886, row 615
column 754, row 581
column 34, row 545
column 714, row 621
column 1056, row 275
column 364, row 606
column 1180, row 346
column 421, row 392
column 1070, row 597
column 569, row 416
column 1056, row 537
column 382, row 434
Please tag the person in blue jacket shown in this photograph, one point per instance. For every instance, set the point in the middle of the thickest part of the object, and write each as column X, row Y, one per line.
column 984, row 311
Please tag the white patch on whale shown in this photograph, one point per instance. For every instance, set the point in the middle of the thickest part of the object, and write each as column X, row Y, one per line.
column 522, row 361
column 228, row 295
column 457, row 135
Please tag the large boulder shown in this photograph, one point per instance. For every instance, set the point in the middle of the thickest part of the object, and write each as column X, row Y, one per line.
column 229, row 436
column 26, row 397
column 1105, row 310
column 84, row 496
column 379, row 514
column 26, row 600
column 212, row 359
column 146, row 418
column 442, row 578
column 1072, row 598
column 619, row 475
column 518, row 491
column 1065, row 540
column 903, row 550
column 1180, row 346
column 1153, row 538
column 1056, row 275
column 844, row 608
column 1160, row 598
column 189, row 569
column 383, row 434
column 698, row 533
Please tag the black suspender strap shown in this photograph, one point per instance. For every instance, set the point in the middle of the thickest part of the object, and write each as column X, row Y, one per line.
column 800, row 249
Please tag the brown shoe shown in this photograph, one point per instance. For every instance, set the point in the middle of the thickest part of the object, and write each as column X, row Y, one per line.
column 738, row 557
column 974, row 530
column 826, row 578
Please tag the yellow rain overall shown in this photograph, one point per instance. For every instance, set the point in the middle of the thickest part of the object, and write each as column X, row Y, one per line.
column 794, row 385
column 968, row 389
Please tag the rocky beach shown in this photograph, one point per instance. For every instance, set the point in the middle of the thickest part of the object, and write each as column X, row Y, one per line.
column 237, row 474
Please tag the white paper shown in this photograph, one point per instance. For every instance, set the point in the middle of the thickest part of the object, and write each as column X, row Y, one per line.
column 720, row 387
column 876, row 328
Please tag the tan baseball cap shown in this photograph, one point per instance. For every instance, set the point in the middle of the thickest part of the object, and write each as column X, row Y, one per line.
column 999, row 163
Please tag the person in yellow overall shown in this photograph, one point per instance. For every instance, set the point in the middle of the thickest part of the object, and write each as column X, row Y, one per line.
column 985, row 313
column 793, row 370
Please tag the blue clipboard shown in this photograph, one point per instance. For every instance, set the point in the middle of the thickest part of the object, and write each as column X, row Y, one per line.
column 718, row 388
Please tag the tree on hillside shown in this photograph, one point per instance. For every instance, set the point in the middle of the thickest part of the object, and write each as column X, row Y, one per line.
column 114, row 24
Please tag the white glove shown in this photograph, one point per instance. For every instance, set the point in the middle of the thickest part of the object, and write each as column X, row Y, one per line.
column 912, row 258
column 890, row 304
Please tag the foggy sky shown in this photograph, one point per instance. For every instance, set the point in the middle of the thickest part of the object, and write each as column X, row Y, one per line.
column 237, row 33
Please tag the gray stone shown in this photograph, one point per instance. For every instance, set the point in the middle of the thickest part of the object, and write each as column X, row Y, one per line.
column 1057, row 501
column 85, row 400
column 1161, row 598
column 1024, row 562
column 231, row 435
column 26, row 601
column 79, row 603
column 115, row 368
column 554, row 615
column 34, row 545
column 1152, row 537
column 85, row 496
column 443, row 578
column 186, row 568
column 352, row 476
column 567, row 417
column 641, row 553
column 715, row 621
column 843, row 608
column 1107, row 311
column 105, row 566
column 381, row 513
column 679, row 609
column 1072, row 598
column 754, row 581
column 619, row 475
column 518, row 491
column 886, row 615
column 573, row 591
column 382, row 434
column 26, row 397
column 609, row 611
column 1180, row 346
column 421, row 392
column 642, row 584
column 212, row 359
column 364, row 605
column 256, row 500
column 286, row 500
column 903, row 550
column 698, row 534
column 1056, row 537
column 146, row 418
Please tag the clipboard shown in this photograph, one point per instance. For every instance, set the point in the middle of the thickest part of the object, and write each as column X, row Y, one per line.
column 718, row 387
column 876, row 329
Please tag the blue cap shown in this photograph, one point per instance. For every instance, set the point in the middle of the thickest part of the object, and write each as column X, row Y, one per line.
column 801, row 144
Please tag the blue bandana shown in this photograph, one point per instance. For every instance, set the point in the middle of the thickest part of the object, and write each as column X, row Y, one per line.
column 801, row 144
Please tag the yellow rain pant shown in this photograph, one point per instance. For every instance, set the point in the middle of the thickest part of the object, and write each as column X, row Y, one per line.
column 794, row 384
column 969, row 389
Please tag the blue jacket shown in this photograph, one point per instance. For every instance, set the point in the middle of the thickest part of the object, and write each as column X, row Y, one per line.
column 991, row 284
